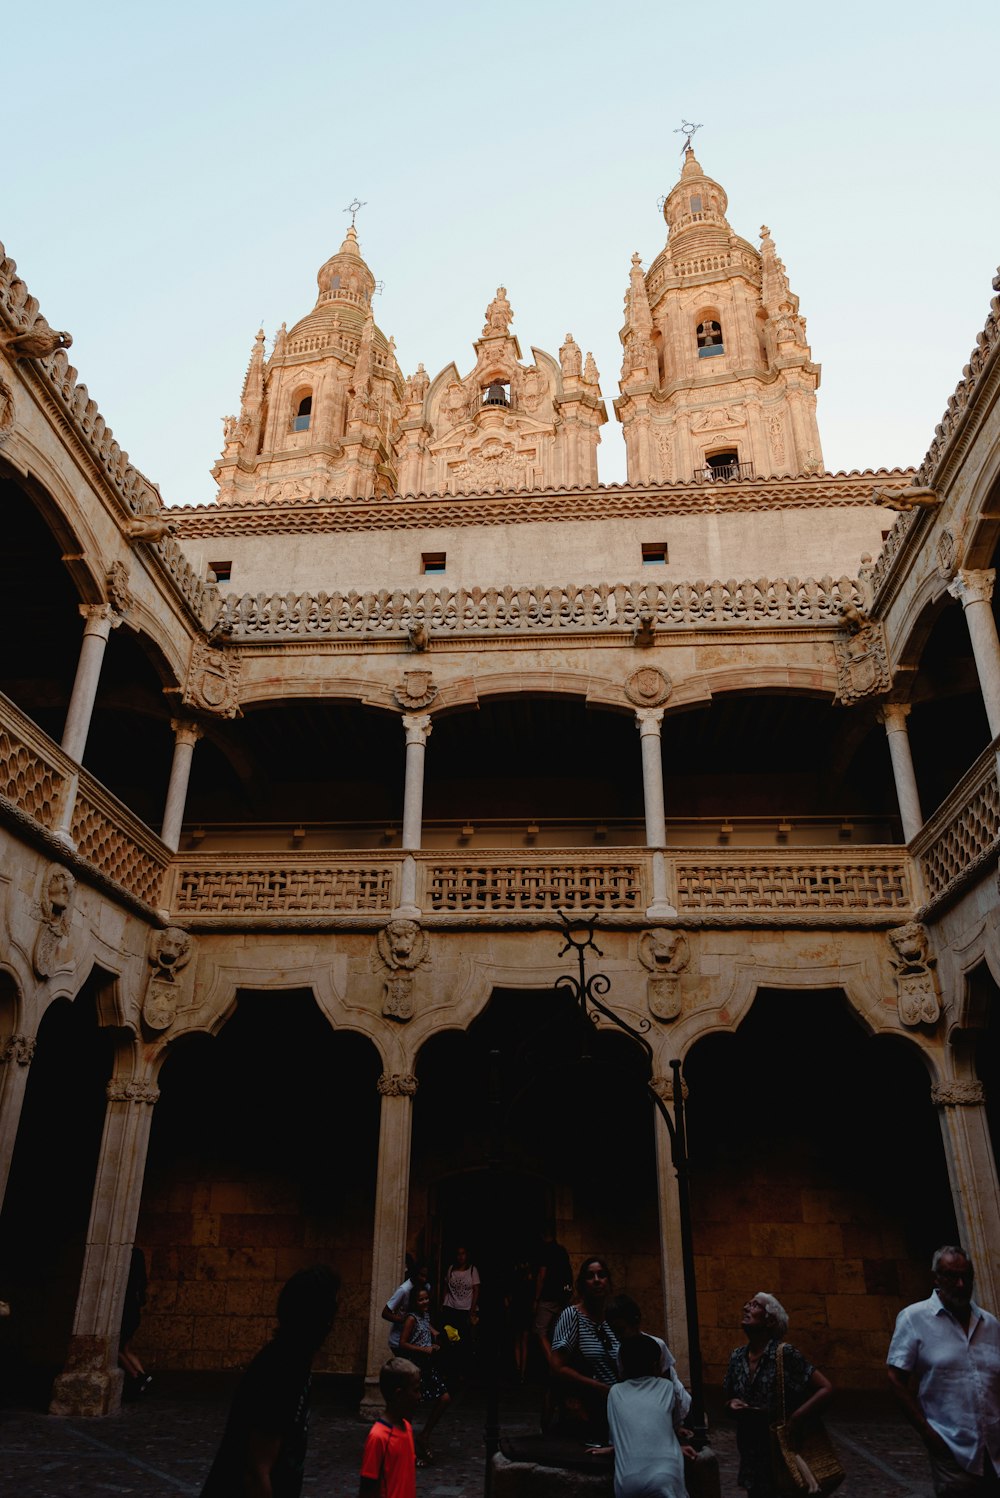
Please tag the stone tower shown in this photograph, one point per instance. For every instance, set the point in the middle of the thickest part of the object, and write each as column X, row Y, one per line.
column 318, row 416
column 718, row 381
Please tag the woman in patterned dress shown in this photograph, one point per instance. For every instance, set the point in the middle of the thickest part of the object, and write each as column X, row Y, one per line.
column 421, row 1342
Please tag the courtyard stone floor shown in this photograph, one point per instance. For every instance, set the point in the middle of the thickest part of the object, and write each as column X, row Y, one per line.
column 163, row 1445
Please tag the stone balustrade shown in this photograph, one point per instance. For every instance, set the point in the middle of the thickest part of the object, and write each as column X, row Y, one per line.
column 964, row 832
column 36, row 776
column 464, row 611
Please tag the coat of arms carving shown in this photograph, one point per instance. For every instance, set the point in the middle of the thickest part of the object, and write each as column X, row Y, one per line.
column 862, row 663
column 213, row 681
column 400, row 947
column 665, row 954
column 416, row 690
column 917, row 996
column 648, row 687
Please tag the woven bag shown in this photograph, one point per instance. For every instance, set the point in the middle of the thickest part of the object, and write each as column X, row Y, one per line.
column 812, row 1465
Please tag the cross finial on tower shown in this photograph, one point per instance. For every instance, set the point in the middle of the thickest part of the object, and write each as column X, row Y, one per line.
column 352, row 208
column 686, row 129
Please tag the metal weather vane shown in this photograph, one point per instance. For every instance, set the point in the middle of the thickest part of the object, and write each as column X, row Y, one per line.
column 687, row 129
column 353, row 208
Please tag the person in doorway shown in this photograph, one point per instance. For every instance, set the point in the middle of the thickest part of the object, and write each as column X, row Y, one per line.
column 460, row 1306
column 944, row 1368
column 625, row 1320
column 421, row 1342
column 263, row 1449
column 585, row 1353
column 752, row 1394
column 553, row 1285
column 649, row 1459
column 397, row 1307
column 138, row 1380
column 389, row 1460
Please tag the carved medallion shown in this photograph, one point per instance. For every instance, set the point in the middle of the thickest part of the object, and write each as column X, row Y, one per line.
column 917, row 996
column 169, row 955
column 213, row 681
column 648, row 687
column 665, row 954
column 6, row 411
column 415, row 691
column 56, row 905
column 862, row 663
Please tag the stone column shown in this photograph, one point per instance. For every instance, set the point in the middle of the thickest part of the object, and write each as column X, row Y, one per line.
column 648, row 721
column 91, row 1381
column 894, row 716
column 974, row 590
column 100, row 620
column 392, row 1195
column 186, row 735
column 417, row 727
column 671, row 1260
column 972, row 1172
column 16, row 1055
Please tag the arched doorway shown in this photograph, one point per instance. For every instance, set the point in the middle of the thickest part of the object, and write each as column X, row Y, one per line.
column 261, row 1161
column 818, row 1175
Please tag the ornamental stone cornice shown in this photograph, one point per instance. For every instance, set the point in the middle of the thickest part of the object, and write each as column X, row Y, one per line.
column 599, row 502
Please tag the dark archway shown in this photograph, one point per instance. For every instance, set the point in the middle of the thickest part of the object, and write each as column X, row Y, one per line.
column 261, row 1161
column 575, row 1144
column 47, row 1205
column 818, row 1174
column 947, row 724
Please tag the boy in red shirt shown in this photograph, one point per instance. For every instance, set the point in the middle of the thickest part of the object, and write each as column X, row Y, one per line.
column 389, row 1463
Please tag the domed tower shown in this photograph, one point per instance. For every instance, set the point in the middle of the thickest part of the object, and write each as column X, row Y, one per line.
column 718, row 381
column 318, row 417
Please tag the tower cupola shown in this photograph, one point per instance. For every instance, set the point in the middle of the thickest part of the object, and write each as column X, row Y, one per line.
column 695, row 210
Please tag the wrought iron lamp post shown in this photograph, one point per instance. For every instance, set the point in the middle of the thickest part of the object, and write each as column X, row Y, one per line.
column 587, row 993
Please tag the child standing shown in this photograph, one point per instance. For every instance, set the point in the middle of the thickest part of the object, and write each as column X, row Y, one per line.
column 421, row 1341
column 389, row 1460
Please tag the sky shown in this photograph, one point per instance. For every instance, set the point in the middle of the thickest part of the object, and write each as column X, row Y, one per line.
column 176, row 175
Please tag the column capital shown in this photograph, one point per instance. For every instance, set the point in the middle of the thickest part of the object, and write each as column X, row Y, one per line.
column 120, row 1091
column 99, row 619
column 664, row 1088
column 397, row 1084
column 649, row 720
column 893, row 716
column 972, row 587
column 18, row 1048
column 186, row 731
column 417, row 727
column 969, row 1094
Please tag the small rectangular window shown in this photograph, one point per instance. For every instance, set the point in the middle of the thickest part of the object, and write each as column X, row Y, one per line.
column 654, row 553
column 433, row 561
column 696, row 204
column 223, row 571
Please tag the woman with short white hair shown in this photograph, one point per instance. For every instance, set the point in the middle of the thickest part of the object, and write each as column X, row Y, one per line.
column 752, row 1394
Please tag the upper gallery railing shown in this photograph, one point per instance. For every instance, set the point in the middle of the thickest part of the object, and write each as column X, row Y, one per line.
column 444, row 611
column 964, row 832
column 35, row 779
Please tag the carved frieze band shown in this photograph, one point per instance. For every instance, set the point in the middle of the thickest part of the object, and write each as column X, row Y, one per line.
column 18, row 1048
column 132, row 1092
column 958, row 1094
column 397, row 1084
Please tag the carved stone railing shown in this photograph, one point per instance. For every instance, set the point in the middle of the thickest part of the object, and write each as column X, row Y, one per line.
column 964, row 832
column 305, row 884
column 861, row 881
column 35, row 777
column 447, row 611
column 542, row 882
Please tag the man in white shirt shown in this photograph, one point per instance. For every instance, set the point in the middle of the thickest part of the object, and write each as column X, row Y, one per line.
column 944, row 1367
column 397, row 1307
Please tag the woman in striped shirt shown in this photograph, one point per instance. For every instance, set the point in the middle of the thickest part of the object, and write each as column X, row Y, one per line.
column 585, row 1350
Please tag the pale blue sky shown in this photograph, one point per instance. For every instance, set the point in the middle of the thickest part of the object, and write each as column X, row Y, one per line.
column 175, row 176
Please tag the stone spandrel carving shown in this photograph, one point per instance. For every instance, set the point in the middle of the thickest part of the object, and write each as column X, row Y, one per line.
column 397, row 1084
column 213, row 681
column 862, row 661
column 917, row 996
column 55, row 911
column 416, row 690
column 18, row 1048
column 400, row 947
column 6, row 411
column 119, row 593
column 169, row 955
column 665, row 955
column 648, row 687
column 969, row 1094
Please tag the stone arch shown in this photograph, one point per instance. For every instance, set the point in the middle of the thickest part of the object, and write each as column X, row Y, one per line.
column 64, row 519
column 983, row 509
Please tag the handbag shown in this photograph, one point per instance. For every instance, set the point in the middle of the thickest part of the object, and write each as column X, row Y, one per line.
column 811, row 1465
